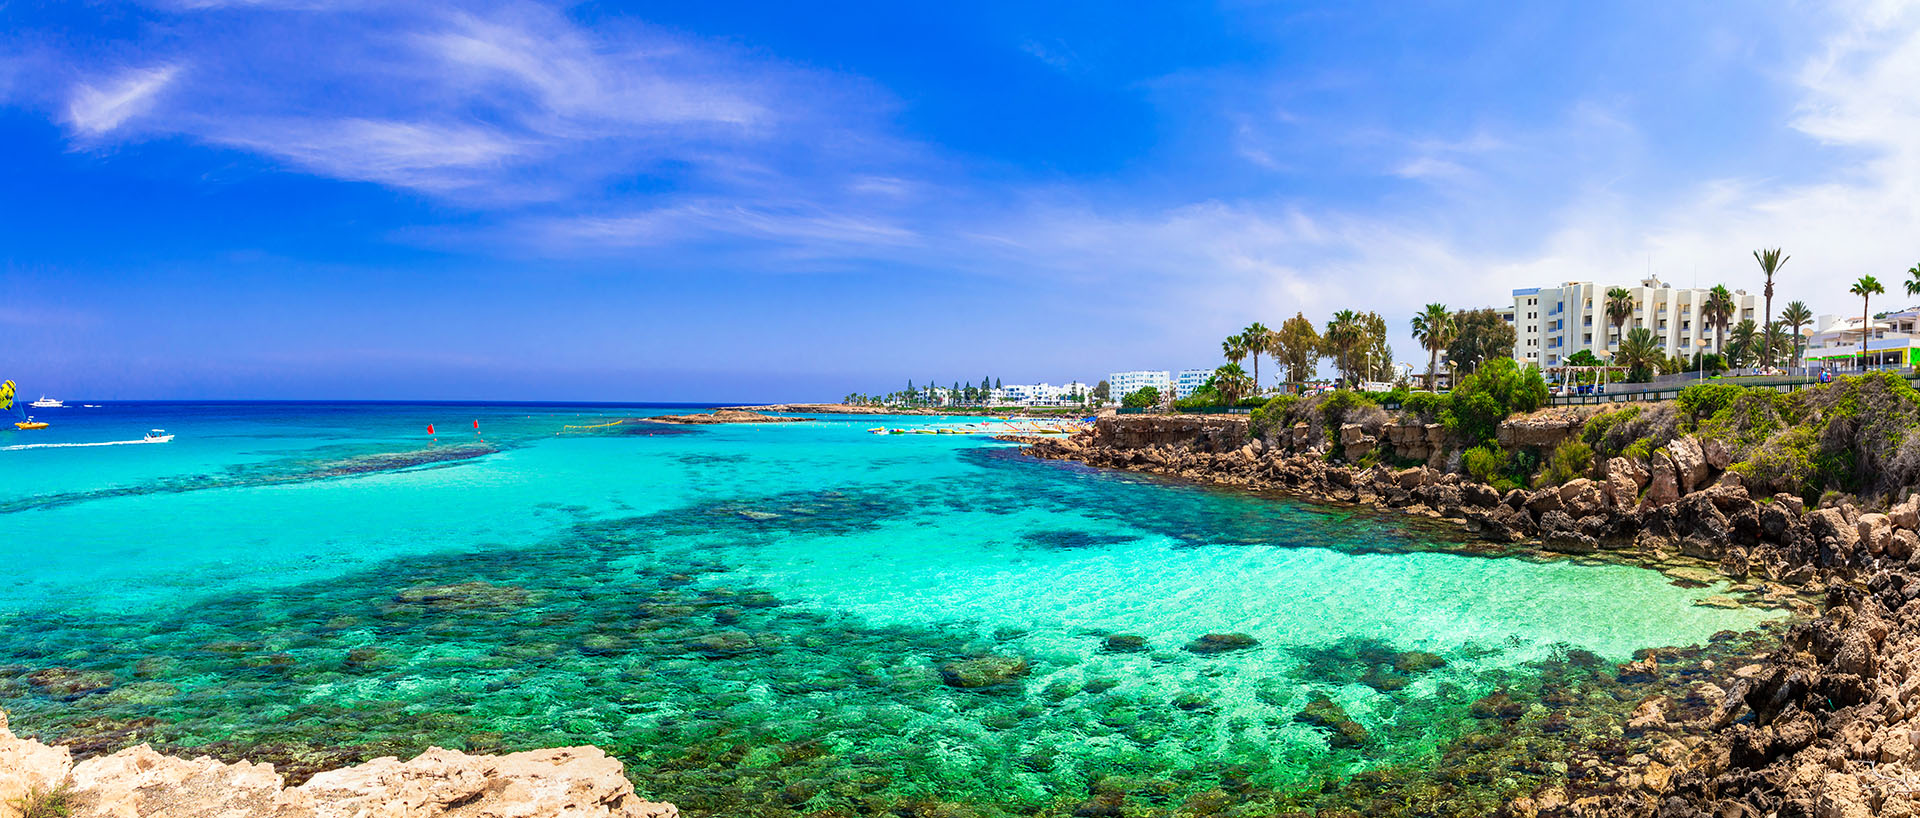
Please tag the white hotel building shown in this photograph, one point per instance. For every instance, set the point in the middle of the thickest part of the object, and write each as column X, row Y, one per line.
column 1552, row 323
column 1122, row 384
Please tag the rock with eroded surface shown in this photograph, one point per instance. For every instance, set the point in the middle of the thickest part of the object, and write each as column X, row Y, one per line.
column 576, row 782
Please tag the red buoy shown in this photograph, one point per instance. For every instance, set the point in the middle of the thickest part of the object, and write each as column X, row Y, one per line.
column 476, row 423
column 429, row 428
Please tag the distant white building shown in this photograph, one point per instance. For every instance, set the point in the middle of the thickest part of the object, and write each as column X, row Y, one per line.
column 1893, row 339
column 1187, row 381
column 1041, row 394
column 1122, row 384
column 1550, row 324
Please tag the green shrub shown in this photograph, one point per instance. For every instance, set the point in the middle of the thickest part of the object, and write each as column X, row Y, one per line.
column 1640, row 449
column 1572, row 459
column 1595, row 432
column 1274, row 415
column 1392, row 397
column 1340, row 403
column 1752, row 417
column 1703, row 401
column 1427, row 406
column 1783, row 462
column 1145, row 397
column 1485, row 463
column 1499, row 389
column 41, row 802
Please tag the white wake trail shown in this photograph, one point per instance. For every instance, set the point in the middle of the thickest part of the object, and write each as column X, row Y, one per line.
column 73, row 445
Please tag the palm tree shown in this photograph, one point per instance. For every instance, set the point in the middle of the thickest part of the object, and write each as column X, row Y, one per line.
column 1256, row 337
column 1434, row 328
column 1343, row 334
column 1619, row 309
column 1745, row 345
column 1640, row 353
column 1913, row 280
column 1235, row 348
column 1867, row 287
column 1770, row 262
column 1232, row 383
column 1796, row 315
column 1718, row 310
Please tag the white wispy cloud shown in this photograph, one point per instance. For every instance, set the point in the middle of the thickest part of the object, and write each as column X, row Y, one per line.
column 102, row 105
column 483, row 105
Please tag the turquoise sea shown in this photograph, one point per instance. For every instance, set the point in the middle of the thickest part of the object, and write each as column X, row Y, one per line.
column 759, row 619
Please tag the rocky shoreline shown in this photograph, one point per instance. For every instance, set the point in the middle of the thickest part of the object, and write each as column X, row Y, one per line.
column 581, row 782
column 1815, row 724
column 850, row 409
column 723, row 416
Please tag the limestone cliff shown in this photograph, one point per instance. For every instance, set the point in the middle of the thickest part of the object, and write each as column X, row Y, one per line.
column 578, row 782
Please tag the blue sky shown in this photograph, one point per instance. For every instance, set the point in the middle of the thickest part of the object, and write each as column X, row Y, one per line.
column 737, row 201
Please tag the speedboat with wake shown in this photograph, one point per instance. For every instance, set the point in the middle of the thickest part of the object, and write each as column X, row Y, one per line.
column 158, row 436
column 30, row 423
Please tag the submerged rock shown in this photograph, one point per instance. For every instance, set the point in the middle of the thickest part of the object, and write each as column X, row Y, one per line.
column 986, row 671
column 725, row 643
column 70, row 683
column 1326, row 713
column 1418, row 661
column 1385, row 680
column 1124, row 643
column 1497, row 705
column 1221, row 643
column 463, row 596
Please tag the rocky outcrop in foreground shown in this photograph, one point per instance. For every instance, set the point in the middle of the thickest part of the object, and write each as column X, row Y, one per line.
column 1827, row 725
column 579, row 782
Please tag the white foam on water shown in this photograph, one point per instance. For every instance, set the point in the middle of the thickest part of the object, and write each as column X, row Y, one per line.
column 25, row 446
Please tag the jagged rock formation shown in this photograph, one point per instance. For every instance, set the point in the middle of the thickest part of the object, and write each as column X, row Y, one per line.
column 578, row 782
column 1823, row 727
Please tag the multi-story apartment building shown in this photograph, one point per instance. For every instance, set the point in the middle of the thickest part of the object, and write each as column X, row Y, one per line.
column 1187, row 381
column 1552, row 323
column 1122, row 384
column 1041, row 394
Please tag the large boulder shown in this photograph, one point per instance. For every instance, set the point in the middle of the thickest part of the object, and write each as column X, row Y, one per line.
column 1544, row 500
column 1663, row 488
column 1876, row 533
column 27, row 765
column 1624, row 480
column 1689, row 463
column 1582, row 497
column 1837, row 539
column 579, row 782
column 1544, row 429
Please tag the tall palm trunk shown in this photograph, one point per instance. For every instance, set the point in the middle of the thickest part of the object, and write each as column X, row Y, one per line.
column 1766, row 355
column 1865, row 316
column 1433, row 364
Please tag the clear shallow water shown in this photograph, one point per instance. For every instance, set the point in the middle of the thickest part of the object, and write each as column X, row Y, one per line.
column 755, row 618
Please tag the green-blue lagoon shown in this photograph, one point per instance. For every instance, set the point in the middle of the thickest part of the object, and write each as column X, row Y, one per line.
column 775, row 619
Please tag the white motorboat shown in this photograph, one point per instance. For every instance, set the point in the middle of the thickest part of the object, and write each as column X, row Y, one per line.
column 158, row 436
column 47, row 403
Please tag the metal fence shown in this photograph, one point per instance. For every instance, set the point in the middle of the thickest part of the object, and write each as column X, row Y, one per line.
column 1632, row 392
